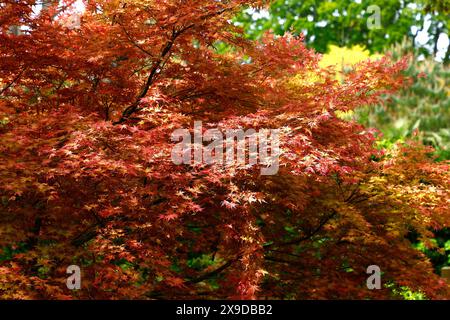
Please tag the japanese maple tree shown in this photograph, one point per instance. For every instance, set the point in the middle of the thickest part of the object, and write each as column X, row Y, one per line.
column 86, row 117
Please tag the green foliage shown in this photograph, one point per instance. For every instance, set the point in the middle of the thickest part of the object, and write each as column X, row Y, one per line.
column 422, row 106
column 440, row 253
column 8, row 252
column 344, row 22
column 201, row 262
column 404, row 292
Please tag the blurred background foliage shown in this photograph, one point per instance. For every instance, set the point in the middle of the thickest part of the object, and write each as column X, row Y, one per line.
column 344, row 23
column 422, row 109
column 417, row 29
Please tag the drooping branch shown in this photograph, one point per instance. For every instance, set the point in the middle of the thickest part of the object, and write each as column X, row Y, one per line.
column 306, row 237
column 265, row 247
column 208, row 275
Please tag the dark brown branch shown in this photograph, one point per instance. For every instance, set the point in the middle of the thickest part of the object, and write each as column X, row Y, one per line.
column 134, row 42
column 273, row 259
column 232, row 261
column 286, row 253
column 214, row 272
column 307, row 237
column 33, row 240
column 161, row 61
column 12, row 82
column 353, row 193
column 92, row 231
column 86, row 235
column 151, row 78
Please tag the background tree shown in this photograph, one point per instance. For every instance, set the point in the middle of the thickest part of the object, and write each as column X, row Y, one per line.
column 437, row 5
column 345, row 23
column 424, row 106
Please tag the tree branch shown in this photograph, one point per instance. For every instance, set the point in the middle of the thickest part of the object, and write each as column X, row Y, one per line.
column 151, row 78
column 157, row 65
column 13, row 81
column 134, row 42
column 308, row 236
column 214, row 272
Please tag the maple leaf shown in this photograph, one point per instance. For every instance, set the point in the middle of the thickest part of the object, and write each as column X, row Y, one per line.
column 175, row 282
column 168, row 216
column 229, row 205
